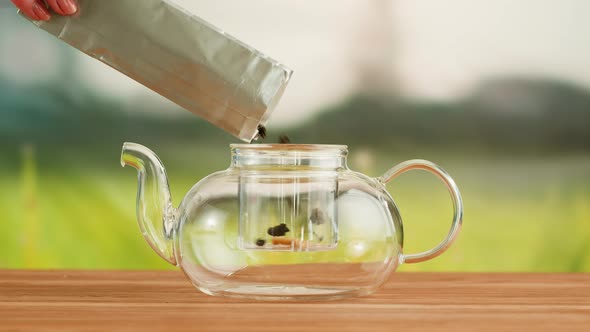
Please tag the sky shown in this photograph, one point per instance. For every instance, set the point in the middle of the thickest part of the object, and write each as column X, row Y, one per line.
column 419, row 48
column 446, row 47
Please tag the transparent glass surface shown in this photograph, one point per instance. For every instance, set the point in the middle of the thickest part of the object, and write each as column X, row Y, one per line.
column 288, row 221
column 282, row 222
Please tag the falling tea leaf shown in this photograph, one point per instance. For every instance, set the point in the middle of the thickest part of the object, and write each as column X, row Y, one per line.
column 284, row 139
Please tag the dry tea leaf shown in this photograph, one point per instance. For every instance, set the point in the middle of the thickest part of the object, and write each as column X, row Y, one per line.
column 279, row 230
column 261, row 131
column 318, row 217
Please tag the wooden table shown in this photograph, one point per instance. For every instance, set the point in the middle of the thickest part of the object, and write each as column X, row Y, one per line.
column 166, row 301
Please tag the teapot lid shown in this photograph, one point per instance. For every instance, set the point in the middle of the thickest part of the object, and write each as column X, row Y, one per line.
column 291, row 147
column 315, row 155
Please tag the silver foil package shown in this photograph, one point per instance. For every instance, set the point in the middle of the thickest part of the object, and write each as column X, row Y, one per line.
column 179, row 56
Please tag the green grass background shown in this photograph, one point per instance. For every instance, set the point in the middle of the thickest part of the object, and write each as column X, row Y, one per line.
column 63, row 210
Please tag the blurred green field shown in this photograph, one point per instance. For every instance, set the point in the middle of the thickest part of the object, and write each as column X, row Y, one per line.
column 65, row 211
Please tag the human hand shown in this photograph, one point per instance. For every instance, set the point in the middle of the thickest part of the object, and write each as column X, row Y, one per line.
column 37, row 10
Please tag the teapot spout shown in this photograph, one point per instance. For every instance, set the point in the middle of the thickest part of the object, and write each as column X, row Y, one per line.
column 155, row 214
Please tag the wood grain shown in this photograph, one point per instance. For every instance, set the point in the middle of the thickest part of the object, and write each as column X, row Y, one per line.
column 166, row 301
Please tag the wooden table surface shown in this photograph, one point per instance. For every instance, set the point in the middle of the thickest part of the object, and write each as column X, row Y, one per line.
column 166, row 301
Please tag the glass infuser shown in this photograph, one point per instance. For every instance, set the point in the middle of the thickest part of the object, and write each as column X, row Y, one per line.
column 283, row 222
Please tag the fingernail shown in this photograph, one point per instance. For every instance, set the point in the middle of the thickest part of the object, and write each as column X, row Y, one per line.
column 41, row 12
column 68, row 6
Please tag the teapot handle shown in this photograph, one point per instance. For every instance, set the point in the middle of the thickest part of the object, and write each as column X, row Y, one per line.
column 419, row 164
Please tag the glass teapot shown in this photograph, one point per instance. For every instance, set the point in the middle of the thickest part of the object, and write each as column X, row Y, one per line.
column 282, row 222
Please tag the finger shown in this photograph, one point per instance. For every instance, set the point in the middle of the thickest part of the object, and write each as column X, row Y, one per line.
column 40, row 10
column 63, row 7
column 70, row 7
column 34, row 9
column 55, row 7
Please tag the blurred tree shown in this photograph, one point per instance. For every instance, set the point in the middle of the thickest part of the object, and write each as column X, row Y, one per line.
column 503, row 115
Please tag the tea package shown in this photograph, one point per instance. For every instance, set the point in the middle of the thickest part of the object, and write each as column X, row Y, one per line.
column 179, row 56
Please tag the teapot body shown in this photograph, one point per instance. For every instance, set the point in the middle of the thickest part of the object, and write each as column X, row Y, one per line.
column 282, row 222
column 223, row 243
